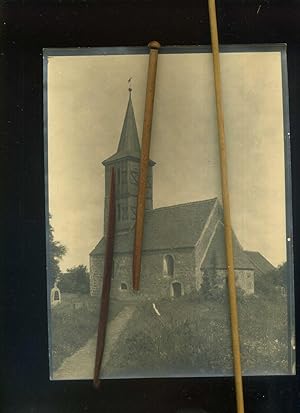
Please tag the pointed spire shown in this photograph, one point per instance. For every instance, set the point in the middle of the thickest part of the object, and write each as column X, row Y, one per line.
column 129, row 144
column 129, row 141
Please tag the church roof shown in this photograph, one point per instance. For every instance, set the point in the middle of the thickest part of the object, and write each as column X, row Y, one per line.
column 176, row 226
column 216, row 256
column 260, row 263
column 129, row 144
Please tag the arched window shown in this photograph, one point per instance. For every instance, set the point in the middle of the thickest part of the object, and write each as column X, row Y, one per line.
column 56, row 295
column 123, row 286
column 168, row 265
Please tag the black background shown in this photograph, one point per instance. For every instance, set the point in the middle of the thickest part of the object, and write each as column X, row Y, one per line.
column 25, row 28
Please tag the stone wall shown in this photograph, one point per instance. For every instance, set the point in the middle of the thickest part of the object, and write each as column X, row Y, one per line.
column 96, row 269
column 244, row 279
column 155, row 282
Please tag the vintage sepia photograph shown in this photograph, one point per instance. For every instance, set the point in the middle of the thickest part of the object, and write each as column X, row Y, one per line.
column 178, row 323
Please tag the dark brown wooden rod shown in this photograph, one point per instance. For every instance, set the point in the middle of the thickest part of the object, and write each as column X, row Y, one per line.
column 226, row 208
column 144, row 163
column 107, row 273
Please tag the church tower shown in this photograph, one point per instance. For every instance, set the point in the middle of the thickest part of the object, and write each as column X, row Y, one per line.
column 126, row 162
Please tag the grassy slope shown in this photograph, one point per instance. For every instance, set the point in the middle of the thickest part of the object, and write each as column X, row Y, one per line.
column 73, row 323
column 192, row 336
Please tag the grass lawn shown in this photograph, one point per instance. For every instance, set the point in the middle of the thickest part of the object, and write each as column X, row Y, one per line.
column 73, row 323
column 192, row 337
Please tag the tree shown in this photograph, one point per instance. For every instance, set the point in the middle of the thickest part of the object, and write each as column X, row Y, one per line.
column 282, row 275
column 75, row 280
column 268, row 283
column 55, row 253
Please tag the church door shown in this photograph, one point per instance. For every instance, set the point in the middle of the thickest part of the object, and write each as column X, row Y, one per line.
column 177, row 289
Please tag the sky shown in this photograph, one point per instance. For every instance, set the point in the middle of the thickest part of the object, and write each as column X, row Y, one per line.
column 87, row 100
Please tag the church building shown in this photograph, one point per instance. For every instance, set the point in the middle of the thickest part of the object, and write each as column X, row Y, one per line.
column 181, row 242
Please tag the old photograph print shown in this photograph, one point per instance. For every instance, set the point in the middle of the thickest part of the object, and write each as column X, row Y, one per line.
column 178, row 323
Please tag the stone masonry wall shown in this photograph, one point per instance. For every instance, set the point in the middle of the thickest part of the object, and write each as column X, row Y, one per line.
column 244, row 280
column 96, row 269
column 155, row 283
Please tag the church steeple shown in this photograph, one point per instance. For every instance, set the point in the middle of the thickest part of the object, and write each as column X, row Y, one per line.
column 129, row 141
column 129, row 144
column 126, row 163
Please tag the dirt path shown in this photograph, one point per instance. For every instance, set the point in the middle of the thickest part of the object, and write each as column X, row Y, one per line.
column 81, row 364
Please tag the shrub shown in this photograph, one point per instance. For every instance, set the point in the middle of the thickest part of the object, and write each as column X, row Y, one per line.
column 75, row 280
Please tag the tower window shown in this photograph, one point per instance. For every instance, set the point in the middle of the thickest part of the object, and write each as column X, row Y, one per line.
column 124, row 180
column 124, row 176
column 118, row 176
column 125, row 213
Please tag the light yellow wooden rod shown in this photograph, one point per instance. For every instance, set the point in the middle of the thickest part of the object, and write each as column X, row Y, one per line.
column 226, row 207
column 144, row 165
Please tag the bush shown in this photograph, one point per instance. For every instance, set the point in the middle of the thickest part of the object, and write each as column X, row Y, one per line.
column 75, row 280
column 272, row 282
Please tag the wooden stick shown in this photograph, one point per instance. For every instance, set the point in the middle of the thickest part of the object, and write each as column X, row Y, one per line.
column 144, row 164
column 226, row 207
column 108, row 265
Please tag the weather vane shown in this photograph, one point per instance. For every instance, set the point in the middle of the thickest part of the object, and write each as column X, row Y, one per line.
column 130, row 85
